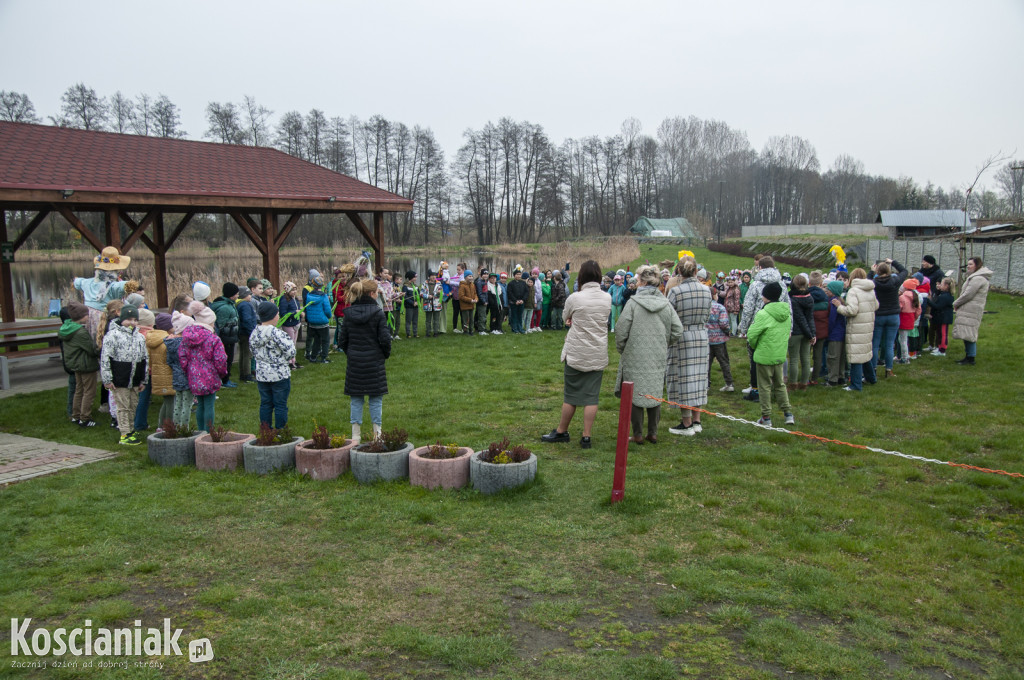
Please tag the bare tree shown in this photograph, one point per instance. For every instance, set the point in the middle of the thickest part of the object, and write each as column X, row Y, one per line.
column 291, row 134
column 961, row 253
column 256, row 122
column 142, row 116
column 82, row 108
column 17, row 108
column 1010, row 179
column 338, row 150
column 316, row 131
column 166, row 120
column 224, row 123
column 121, row 112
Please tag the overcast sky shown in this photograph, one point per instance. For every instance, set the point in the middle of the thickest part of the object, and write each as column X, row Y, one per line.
column 925, row 88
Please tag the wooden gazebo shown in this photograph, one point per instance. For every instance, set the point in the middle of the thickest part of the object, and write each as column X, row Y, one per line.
column 47, row 169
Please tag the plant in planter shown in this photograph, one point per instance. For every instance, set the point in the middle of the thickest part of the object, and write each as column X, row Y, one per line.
column 220, row 448
column 440, row 465
column 322, row 456
column 270, row 450
column 501, row 466
column 174, row 445
column 384, row 458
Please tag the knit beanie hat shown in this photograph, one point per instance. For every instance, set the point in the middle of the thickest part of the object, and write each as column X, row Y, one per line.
column 76, row 311
column 200, row 290
column 930, row 259
column 410, row 275
column 162, row 322
column 313, row 274
column 288, row 286
column 836, row 287
column 129, row 312
column 135, row 300
column 267, row 311
column 146, row 317
column 910, row 284
column 205, row 317
column 772, row 291
column 243, row 292
column 229, row 289
column 194, row 308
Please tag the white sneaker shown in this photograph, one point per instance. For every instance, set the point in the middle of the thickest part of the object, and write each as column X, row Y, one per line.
column 538, row 329
column 456, row 330
column 727, row 388
column 685, row 431
column 790, row 420
column 748, row 390
column 496, row 333
column 696, row 427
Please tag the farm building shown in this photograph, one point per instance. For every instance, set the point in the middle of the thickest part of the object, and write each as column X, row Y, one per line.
column 677, row 227
column 910, row 223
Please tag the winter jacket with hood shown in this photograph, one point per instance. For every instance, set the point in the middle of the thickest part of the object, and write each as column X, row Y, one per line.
column 887, row 290
column 161, row 377
column 586, row 343
column 123, row 359
column 859, row 310
column 318, row 313
column 769, row 334
column 821, row 306
column 179, row 381
column 519, row 290
column 753, row 302
column 908, row 312
column 941, row 305
column 643, row 333
column 272, row 349
column 227, row 319
column 366, row 342
column 970, row 305
column 934, row 274
column 202, row 357
column 467, row 295
column 558, row 294
column 80, row 352
column 733, row 302
column 803, row 314
column 247, row 318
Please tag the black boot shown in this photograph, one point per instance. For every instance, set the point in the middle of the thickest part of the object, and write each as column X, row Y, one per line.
column 966, row 361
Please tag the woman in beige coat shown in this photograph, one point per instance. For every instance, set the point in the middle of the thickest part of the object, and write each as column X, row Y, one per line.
column 584, row 353
column 859, row 310
column 969, row 308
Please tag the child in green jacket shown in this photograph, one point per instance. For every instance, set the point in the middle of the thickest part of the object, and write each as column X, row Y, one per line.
column 768, row 336
column 83, row 357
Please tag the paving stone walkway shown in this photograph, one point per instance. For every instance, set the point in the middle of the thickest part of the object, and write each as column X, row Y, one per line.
column 22, row 458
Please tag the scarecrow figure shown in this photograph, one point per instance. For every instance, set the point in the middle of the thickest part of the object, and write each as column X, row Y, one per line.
column 103, row 287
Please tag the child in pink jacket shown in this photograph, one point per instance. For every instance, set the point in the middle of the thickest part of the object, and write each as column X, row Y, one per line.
column 204, row 362
column 910, row 310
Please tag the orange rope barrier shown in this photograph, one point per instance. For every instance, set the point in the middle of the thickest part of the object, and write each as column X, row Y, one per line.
column 827, row 440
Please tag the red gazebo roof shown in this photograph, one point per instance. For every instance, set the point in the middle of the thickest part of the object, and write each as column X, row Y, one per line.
column 38, row 159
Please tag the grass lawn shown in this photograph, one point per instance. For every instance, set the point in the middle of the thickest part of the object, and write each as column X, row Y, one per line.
column 738, row 553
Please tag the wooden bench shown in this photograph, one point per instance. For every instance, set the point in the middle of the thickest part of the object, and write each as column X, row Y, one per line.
column 7, row 357
column 13, row 342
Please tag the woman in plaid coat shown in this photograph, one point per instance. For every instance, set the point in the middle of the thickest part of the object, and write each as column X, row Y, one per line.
column 688, row 357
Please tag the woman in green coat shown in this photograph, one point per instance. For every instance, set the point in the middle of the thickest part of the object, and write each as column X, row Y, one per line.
column 647, row 326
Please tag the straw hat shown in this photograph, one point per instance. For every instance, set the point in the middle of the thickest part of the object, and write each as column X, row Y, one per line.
column 111, row 259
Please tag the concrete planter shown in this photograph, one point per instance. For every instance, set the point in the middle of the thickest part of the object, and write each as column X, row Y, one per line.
column 493, row 477
column 263, row 459
column 446, row 473
column 322, row 463
column 172, row 452
column 375, row 467
column 223, row 455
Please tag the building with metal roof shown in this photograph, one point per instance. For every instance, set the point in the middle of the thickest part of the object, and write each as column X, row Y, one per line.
column 910, row 223
column 678, row 227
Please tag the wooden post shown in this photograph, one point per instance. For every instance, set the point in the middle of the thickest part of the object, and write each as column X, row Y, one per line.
column 7, row 298
column 378, row 235
column 622, row 443
column 271, row 259
column 160, row 260
column 112, row 224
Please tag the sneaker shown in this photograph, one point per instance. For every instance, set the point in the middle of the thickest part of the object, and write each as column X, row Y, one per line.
column 129, row 440
column 850, row 389
column 584, row 442
column 764, row 422
column 727, row 388
column 927, row 348
column 790, row 420
column 685, row 430
column 456, row 330
column 497, row 333
column 86, row 423
column 940, row 353
column 697, row 428
column 748, row 390
column 752, row 396
column 555, row 436
column 113, row 423
column 230, row 384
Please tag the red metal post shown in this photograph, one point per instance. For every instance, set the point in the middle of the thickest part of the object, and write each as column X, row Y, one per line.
column 622, row 444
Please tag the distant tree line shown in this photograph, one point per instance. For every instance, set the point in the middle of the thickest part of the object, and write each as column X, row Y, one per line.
column 509, row 182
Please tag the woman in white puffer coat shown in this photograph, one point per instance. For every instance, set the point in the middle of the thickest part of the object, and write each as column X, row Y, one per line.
column 859, row 310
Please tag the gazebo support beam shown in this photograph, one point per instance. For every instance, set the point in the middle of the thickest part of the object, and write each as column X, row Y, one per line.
column 112, row 225
column 378, row 235
column 159, row 249
column 250, row 229
column 7, row 299
column 30, row 227
column 137, row 230
column 82, row 229
column 271, row 258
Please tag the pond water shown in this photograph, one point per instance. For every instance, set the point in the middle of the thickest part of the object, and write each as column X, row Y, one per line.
column 36, row 283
